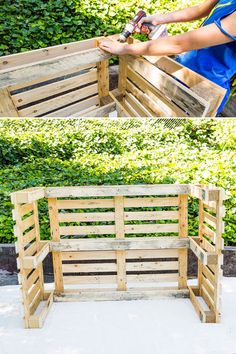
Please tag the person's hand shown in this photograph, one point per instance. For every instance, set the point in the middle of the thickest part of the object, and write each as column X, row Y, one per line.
column 153, row 19
column 113, row 47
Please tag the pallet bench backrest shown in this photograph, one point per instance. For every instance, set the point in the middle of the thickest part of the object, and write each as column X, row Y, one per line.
column 106, row 214
column 73, row 80
column 55, row 81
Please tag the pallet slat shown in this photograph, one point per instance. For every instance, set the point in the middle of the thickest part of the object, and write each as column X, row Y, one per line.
column 181, row 95
column 44, row 92
column 95, row 279
column 110, row 191
column 113, row 295
column 58, row 102
column 130, row 254
column 112, row 244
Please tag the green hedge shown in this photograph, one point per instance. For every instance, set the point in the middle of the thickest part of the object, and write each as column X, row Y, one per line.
column 32, row 24
column 62, row 152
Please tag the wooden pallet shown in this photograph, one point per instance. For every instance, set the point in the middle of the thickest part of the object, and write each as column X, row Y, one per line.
column 72, row 80
column 65, row 80
column 141, row 236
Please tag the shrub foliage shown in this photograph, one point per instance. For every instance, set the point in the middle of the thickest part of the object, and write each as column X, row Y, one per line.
column 32, row 24
column 61, row 152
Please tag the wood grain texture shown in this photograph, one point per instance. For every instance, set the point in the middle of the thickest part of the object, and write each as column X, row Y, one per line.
column 183, row 233
column 7, row 107
column 55, row 236
column 51, row 66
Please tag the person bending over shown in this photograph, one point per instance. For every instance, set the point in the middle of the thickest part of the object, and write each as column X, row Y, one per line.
column 209, row 50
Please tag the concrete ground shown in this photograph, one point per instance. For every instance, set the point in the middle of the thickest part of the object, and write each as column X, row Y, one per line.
column 165, row 326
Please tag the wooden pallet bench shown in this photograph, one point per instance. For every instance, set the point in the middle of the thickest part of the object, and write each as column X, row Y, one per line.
column 72, row 80
column 106, row 241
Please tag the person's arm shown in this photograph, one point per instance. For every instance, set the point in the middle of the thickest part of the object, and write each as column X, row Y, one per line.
column 203, row 37
column 189, row 14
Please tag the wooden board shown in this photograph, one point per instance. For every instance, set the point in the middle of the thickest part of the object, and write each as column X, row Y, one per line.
column 45, row 67
column 7, row 107
column 109, row 191
column 112, row 295
column 55, row 235
column 183, row 97
column 111, row 244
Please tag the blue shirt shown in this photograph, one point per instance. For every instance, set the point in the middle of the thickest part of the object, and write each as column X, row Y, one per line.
column 217, row 63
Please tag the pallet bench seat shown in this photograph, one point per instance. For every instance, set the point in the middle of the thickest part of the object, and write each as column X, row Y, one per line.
column 122, row 242
column 72, row 80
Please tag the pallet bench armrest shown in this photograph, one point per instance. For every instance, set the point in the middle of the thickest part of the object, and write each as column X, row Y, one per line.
column 206, row 194
column 30, row 262
column 205, row 257
column 28, row 195
column 37, row 320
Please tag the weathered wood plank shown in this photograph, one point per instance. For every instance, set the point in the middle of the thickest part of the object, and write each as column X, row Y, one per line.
column 58, row 102
column 110, row 229
column 205, row 316
column 27, row 223
column 198, row 84
column 51, row 66
column 46, row 91
column 150, row 202
column 89, row 268
column 62, row 75
column 32, row 56
column 130, row 254
column 109, row 191
column 152, row 266
column 109, row 203
column 183, row 233
column 87, row 230
column 120, row 234
column 30, row 262
column 162, row 106
column 209, row 219
column 137, row 105
column 128, row 243
column 29, row 237
column 151, row 228
column 113, row 295
column 75, row 109
column 88, row 217
column 27, row 195
column 89, row 255
column 85, row 204
column 149, row 278
column 205, row 194
column 186, row 99
column 151, row 215
column 102, row 111
column 36, row 321
column 7, row 107
column 93, row 279
column 144, row 98
column 55, row 236
column 121, row 111
column 205, row 257
column 25, row 209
